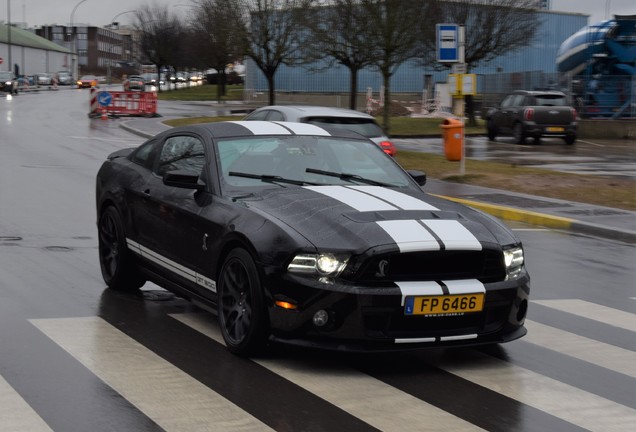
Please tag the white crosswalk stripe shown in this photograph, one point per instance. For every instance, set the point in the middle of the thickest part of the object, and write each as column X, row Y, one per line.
column 173, row 399
column 15, row 414
column 176, row 401
column 593, row 311
column 343, row 386
column 589, row 350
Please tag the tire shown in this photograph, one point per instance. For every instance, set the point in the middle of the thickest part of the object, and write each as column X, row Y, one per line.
column 537, row 140
column 492, row 130
column 518, row 133
column 570, row 139
column 118, row 269
column 241, row 310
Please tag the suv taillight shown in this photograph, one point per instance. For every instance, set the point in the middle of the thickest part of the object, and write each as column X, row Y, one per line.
column 574, row 114
column 388, row 147
column 528, row 114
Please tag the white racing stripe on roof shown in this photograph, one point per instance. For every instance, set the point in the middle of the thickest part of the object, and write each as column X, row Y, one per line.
column 264, row 128
column 399, row 199
column 358, row 200
column 453, row 234
column 304, row 128
column 410, row 235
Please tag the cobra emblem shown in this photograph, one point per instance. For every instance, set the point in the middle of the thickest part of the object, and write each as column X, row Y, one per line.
column 383, row 267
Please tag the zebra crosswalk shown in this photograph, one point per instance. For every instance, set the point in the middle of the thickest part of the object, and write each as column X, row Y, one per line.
column 204, row 388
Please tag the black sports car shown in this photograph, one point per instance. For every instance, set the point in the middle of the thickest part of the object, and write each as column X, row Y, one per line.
column 308, row 236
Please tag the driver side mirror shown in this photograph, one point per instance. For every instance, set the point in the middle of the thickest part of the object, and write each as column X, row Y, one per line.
column 418, row 176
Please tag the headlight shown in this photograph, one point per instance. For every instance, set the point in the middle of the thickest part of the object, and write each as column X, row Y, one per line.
column 513, row 259
column 324, row 264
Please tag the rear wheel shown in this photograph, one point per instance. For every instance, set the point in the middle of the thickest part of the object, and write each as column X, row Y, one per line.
column 118, row 269
column 570, row 139
column 519, row 134
column 242, row 314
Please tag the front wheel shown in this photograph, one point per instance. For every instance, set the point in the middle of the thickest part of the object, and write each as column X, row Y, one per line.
column 242, row 314
column 118, row 269
column 492, row 130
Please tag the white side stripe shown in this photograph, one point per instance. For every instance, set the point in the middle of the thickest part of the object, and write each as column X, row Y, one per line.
column 593, row 311
column 410, row 235
column 326, row 379
column 399, row 199
column 172, row 266
column 170, row 397
column 16, row 414
column 453, row 234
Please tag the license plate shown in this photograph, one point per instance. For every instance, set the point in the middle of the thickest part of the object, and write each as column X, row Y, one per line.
column 444, row 305
column 554, row 129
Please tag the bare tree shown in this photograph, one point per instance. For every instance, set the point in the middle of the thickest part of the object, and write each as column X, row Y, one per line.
column 274, row 34
column 396, row 25
column 160, row 35
column 493, row 28
column 219, row 24
column 340, row 33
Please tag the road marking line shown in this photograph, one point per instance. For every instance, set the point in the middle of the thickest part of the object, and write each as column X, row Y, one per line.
column 16, row 414
column 593, row 311
column 598, row 353
column 561, row 400
column 343, row 387
column 591, row 143
column 163, row 392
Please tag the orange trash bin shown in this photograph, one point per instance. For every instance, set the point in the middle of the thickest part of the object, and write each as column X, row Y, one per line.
column 453, row 138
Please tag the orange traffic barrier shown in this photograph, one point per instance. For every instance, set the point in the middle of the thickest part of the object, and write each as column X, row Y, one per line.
column 123, row 103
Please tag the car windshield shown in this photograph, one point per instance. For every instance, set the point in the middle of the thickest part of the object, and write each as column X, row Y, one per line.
column 365, row 127
column 264, row 162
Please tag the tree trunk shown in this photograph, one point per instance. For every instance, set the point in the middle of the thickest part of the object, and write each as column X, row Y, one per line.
column 386, row 78
column 353, row 92
column 270, row 83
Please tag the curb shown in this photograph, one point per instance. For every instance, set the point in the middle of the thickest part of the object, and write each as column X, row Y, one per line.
column 546, row 220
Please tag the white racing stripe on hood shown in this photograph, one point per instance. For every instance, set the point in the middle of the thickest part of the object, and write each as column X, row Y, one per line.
column 467, row 286
column 399, row 199
column 453, row 234
column 358, row 200
column 410, row 235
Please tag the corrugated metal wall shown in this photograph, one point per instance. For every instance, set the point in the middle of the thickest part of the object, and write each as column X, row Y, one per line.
column 409, row 78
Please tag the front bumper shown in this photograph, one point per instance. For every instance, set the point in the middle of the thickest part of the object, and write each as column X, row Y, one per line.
column 372, row 318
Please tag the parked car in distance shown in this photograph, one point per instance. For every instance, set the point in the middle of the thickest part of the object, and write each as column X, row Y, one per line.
column 306, row 235
column 44, row 79
column 352, row 120
column 136, row 83
column 64, row 78
column 8, row 83
column 533, row 114
column 87, row 81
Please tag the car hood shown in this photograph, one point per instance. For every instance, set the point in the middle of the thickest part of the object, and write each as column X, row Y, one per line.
column 357, row 218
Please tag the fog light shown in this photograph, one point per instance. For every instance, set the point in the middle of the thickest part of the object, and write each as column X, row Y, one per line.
column 320, row 318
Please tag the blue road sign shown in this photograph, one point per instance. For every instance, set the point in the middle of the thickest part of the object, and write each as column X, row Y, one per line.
column 104, row 98
column 447, row 42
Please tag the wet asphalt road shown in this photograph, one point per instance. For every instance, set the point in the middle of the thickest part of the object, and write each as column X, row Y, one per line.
column 76, row 357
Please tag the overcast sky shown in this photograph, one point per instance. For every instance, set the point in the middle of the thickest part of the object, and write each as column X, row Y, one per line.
column 101, row 12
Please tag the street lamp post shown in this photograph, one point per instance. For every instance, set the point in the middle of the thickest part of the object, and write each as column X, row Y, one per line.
column 110, row 54
column 73, row 45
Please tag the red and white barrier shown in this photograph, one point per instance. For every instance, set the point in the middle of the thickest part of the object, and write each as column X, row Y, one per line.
column 124, row 103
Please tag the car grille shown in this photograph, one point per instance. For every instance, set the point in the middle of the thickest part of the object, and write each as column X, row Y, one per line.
column 486, row 265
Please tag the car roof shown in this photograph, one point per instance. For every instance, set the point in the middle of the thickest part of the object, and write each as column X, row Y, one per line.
column 301, row 111
column 540, row 92
column 235, row 129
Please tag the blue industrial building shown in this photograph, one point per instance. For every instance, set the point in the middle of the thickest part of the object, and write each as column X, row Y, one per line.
column 539, row 56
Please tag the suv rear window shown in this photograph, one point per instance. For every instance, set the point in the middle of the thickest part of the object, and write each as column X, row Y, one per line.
column 365, row 127
column 551, row 100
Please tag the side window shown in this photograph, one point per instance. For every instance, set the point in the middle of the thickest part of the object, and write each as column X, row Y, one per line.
column 518, row 100
column 275, row 116
column 507, row 102
column 261, row 115
column 182, row 152
column 142, row 156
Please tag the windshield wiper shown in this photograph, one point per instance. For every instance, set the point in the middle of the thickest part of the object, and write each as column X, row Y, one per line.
column 345, row 176
column 270, row 178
